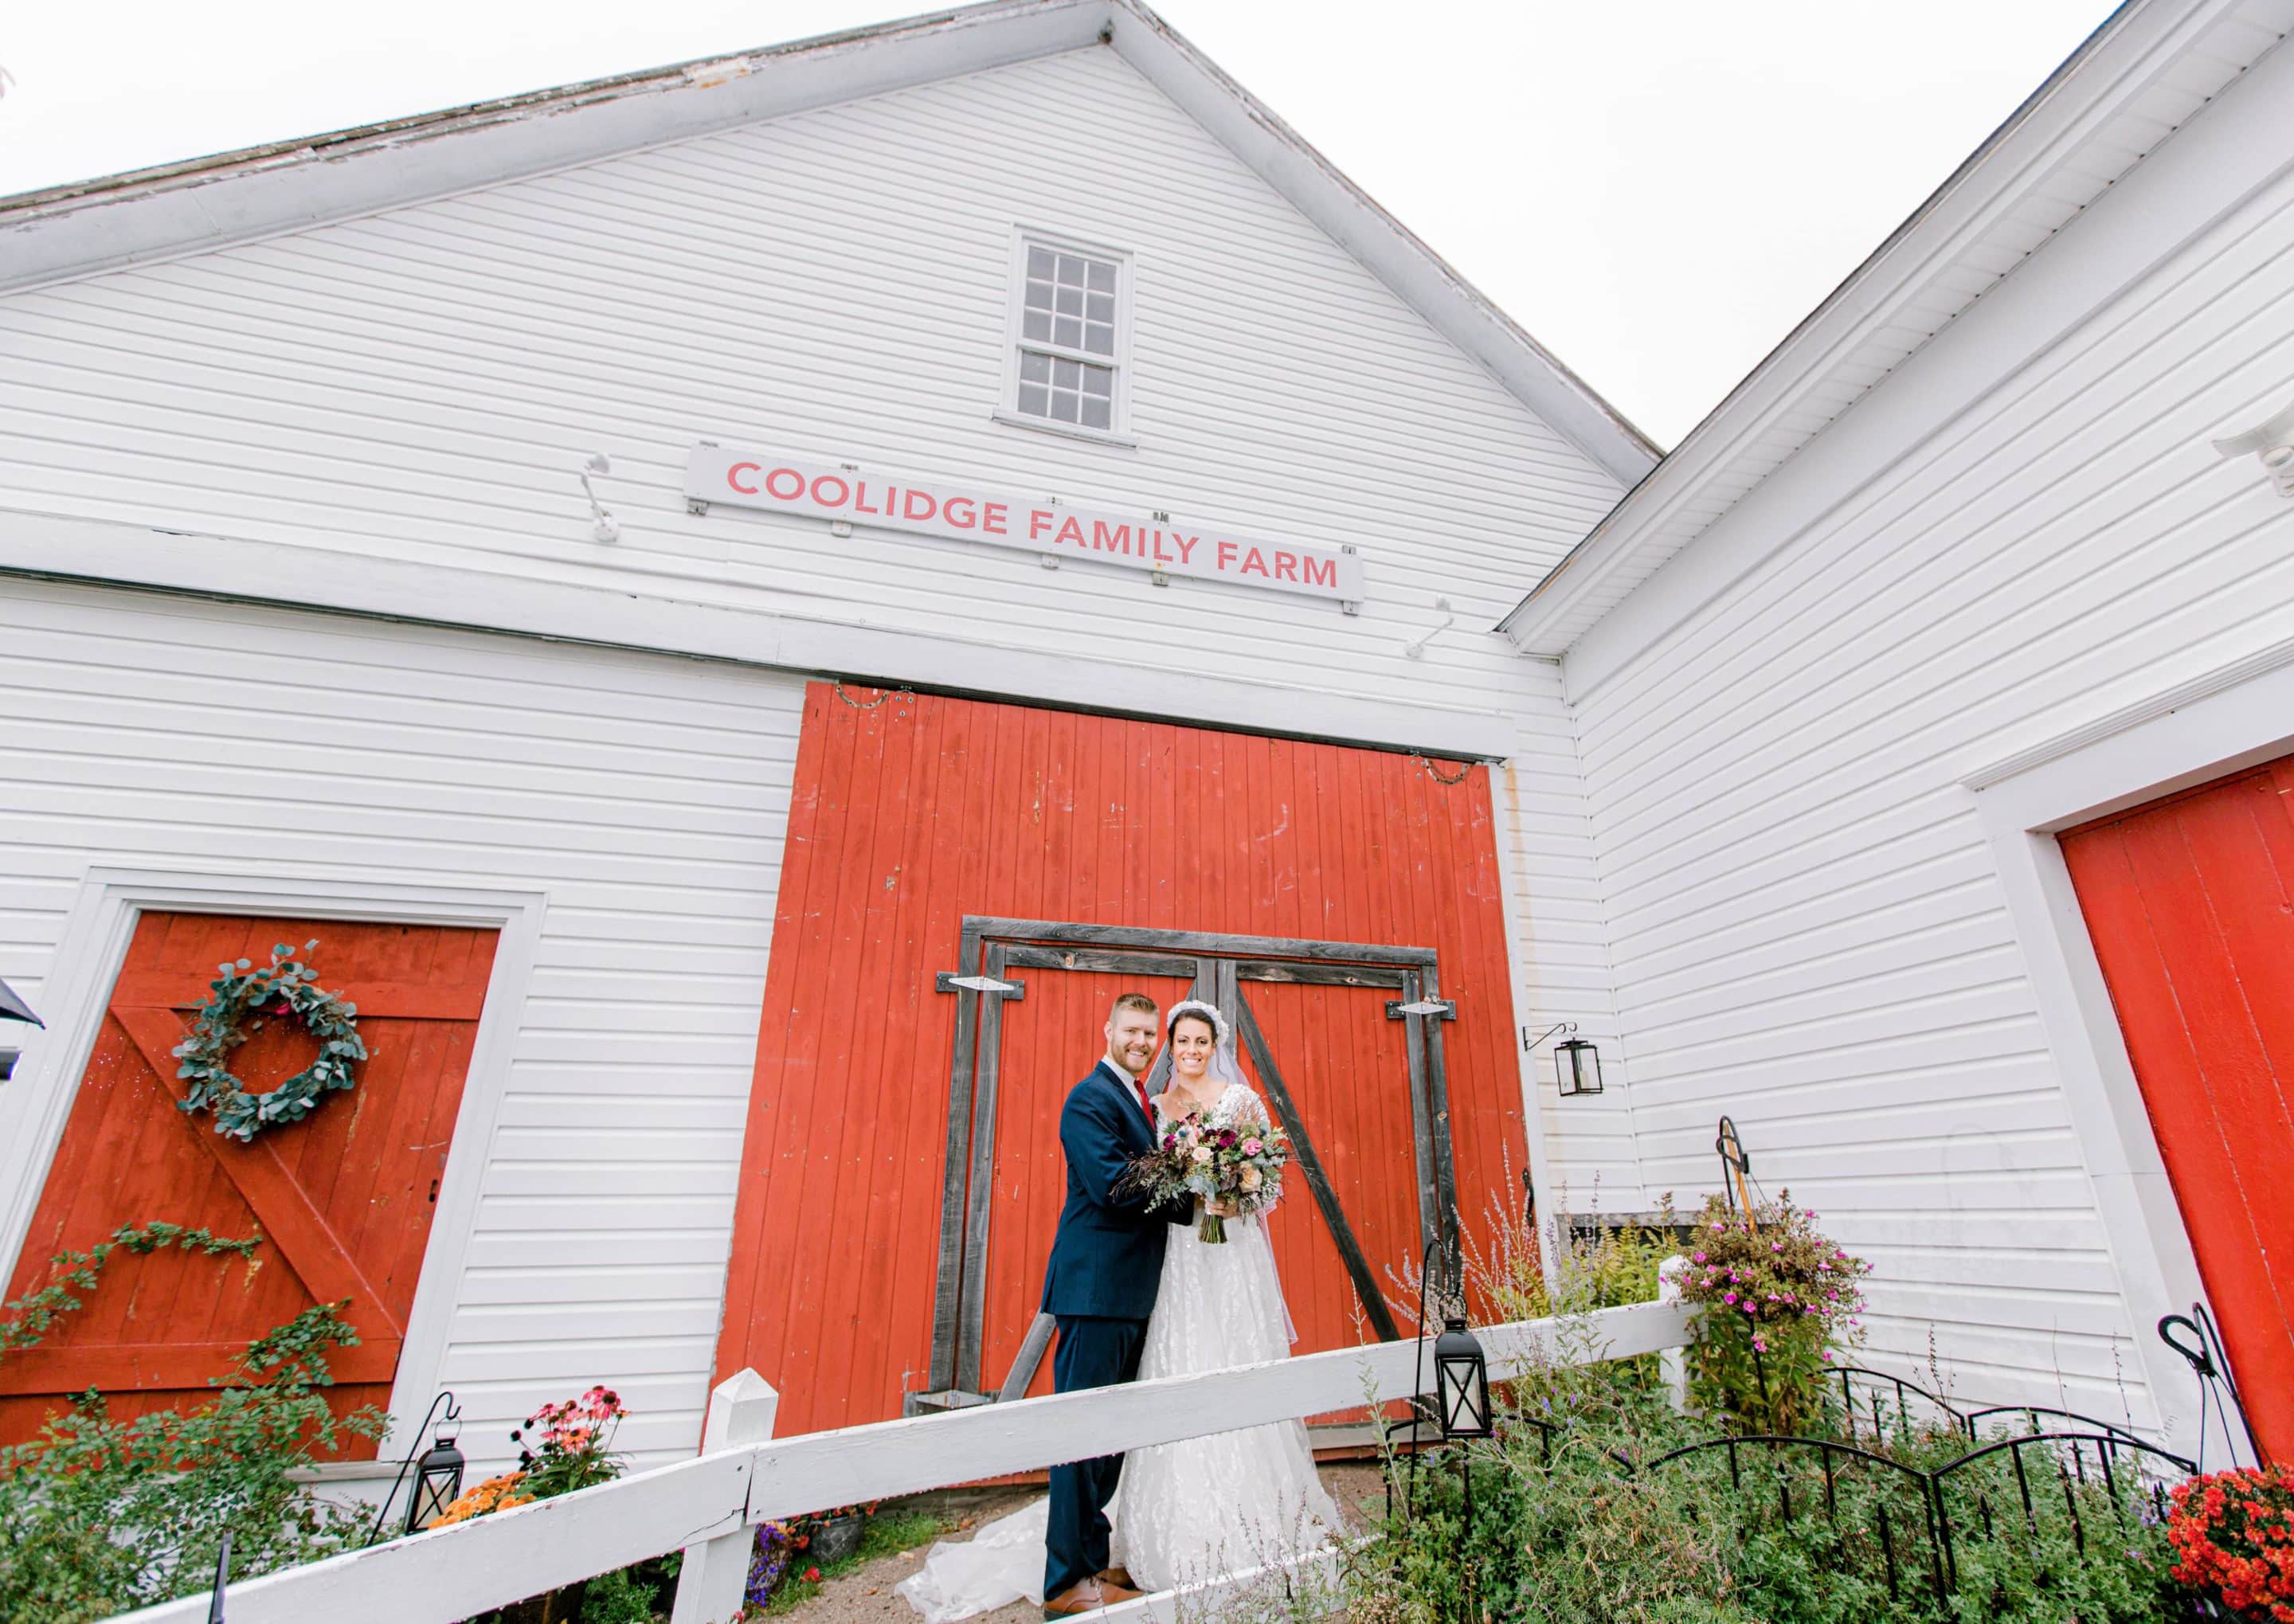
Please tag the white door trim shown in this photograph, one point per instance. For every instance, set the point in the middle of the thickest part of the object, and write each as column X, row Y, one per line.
column 37, row 1103
column 2238, row 724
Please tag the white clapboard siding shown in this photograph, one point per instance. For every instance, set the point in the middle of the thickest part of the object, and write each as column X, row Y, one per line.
column 422, row 383
column 1559, row 928
column 645, row 797
column 1807, row 928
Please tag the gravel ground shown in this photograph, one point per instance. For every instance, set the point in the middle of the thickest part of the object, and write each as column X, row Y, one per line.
column 865, row 1595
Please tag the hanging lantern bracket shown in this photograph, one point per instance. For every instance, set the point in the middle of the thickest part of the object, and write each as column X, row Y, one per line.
column 1529, row 1042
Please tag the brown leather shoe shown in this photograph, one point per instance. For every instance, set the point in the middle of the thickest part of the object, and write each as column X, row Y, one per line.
column 1085, row 1596
column 1122, row 1578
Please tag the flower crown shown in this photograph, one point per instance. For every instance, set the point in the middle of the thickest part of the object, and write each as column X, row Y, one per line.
column 1222, row 1033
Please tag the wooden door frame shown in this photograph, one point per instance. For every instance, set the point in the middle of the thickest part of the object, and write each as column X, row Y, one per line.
column 2208, row 728
column 997, row 948
column 37, row 1104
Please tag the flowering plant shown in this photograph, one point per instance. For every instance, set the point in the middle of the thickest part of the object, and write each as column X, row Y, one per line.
column 777, row 1546
column 495, row 1494
column 1240, row 1162
column 1776, row 1298
column 564, row 1446
column 2233, row 1539
column 567, row 1452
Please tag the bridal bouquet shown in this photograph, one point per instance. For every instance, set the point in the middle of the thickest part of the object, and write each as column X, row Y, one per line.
column 1241, row 1162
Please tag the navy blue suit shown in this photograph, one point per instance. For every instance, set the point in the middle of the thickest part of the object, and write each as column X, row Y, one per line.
column 1107, row 1261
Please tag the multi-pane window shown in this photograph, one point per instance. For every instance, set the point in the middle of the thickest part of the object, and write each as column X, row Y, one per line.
column 1068, row 337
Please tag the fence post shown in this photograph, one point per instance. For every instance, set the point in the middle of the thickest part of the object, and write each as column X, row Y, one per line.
column 1672, row 1368
column 716, row 1572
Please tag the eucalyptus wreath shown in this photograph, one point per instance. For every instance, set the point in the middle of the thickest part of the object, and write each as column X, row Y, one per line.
column 284, row 986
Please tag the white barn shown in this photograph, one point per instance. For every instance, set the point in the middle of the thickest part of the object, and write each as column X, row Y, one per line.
column 310, row 618
column 1956, row 568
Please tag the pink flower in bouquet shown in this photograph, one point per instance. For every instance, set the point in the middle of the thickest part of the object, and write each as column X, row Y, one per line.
column 1252, row 1147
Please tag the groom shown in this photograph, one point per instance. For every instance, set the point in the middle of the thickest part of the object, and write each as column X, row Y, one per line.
column 1107, row 1261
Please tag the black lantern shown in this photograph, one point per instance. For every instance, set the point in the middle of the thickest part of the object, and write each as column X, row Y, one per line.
column 437, row 1476
column 1461, row 1381
column 1577, row 1066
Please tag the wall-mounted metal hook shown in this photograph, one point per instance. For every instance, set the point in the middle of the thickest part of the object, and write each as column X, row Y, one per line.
column 1529, row 1042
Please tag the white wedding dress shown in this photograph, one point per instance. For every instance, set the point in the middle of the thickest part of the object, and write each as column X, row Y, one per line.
column 1190, row 1511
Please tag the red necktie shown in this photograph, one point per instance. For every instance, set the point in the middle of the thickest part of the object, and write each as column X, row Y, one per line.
column 1144, row 1104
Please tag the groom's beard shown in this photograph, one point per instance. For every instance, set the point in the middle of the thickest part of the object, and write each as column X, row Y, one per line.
column 1118, row 1060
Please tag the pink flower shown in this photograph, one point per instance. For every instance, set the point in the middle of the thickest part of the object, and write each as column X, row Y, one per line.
column 1731, row 1297
column 1251, row 1147
column 1699, row 1257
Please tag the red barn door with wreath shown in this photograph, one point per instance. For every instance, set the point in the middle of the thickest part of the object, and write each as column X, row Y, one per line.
column 2190, row 903
column 343, row 1199
column 894, row 1214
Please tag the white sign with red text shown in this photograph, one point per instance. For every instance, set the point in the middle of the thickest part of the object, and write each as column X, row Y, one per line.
column 966, row 513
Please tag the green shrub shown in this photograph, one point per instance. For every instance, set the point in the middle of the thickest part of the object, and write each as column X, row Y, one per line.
column 622, row 1597
column 98, row 1515
column 1575, row 1522
column 1611, row 1267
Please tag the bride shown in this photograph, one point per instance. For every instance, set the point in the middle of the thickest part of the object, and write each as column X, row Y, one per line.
column 1202, row 1507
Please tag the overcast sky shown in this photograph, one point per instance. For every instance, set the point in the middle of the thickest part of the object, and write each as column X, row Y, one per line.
column 1658, row 189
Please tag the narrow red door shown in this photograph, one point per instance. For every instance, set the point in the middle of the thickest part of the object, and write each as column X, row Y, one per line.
column 343, row 1199
column 2190, row 902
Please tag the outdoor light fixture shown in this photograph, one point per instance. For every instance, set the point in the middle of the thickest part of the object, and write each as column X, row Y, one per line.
column 1417, row 650
column 1576, row 1062
column 437, row 1471
column 12, row 1008
column 437, row 1475
column 1461, row 1381
column 603, row 525
column 1577, row 1066
column 2274, row 442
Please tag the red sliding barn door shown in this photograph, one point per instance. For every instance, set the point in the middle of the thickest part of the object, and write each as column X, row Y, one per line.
column 909, row 817
column 2190, row 902
column 342, row 1199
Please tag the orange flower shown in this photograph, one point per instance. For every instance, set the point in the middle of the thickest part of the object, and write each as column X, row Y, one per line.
column 495, row 1494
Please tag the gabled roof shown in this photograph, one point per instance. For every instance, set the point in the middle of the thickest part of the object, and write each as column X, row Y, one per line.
column 2148, row 69
column 178, row 208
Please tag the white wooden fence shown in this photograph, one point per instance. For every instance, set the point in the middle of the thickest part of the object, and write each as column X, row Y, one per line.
column 707, row 1506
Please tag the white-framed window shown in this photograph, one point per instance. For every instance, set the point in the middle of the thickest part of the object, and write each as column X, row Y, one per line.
column 1067, row 347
